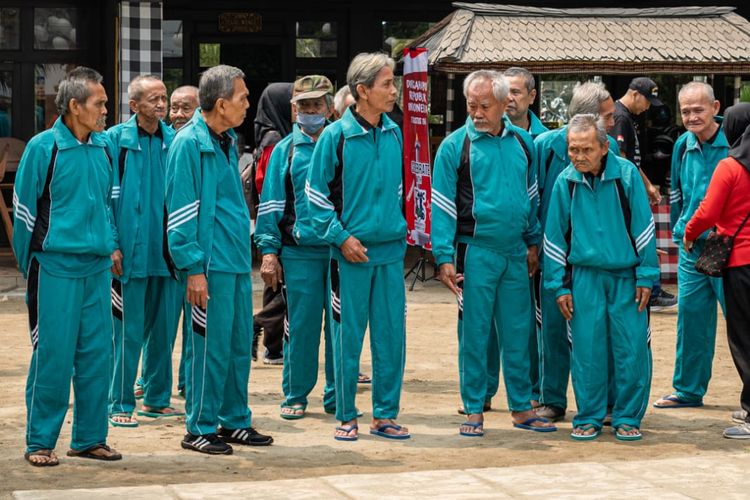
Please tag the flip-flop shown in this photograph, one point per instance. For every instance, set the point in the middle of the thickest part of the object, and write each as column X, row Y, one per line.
column 678, row 403
column 89, row 453
column 293, row 416
column 585, row 437
column 42, row 453
column 380, row 431
column 474, row 425
column 363, row 379
column 526, row 425
column 347, row 429
column 627, row 437
column 160, row 413
column 115, row 423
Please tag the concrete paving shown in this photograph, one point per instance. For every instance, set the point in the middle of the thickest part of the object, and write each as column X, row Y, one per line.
column 707, row 476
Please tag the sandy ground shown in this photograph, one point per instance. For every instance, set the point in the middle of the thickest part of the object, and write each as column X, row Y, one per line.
column 305, row 448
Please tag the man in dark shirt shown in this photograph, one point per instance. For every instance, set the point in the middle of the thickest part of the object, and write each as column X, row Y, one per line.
column 642, row 93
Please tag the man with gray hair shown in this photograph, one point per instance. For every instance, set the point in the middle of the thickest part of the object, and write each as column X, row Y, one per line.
column 208, row 232
column 485, row 238
column 600, row 255
column 355, row 198
column 521, row 95
column 182, row 105
column 342, row 100
column 552, row 154
column 142, row 289
column 67, row 172
column 696, row 154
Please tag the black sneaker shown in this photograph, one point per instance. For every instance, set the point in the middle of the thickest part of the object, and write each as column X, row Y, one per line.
column 663, row 301
column 271, row 358
column 247, row 436
column 207, row 443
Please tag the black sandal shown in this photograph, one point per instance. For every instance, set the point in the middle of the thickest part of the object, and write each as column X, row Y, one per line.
column 111, row 455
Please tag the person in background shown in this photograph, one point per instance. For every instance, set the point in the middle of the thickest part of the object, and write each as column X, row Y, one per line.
column 342, row 100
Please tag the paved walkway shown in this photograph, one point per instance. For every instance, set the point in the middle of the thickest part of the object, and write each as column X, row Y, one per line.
column 708, row 476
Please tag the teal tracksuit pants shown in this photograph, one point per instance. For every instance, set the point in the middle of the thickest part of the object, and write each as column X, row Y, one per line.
column 71, row 335
column 554, row 365
column 495, row 292
column 374, row 294
column 606, row 319
column 217, row 368
column 493, row 356
column 145, row 314
column 697, row 295
column 307, row 296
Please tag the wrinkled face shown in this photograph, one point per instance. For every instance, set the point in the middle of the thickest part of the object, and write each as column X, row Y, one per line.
column 607, row 113
column 234, row 109
column 91, row 114
column 182, row 107
column 519, row 99
column 484, row 109
column 697, row 111
column 381, row 97
column 585, row 151
column 152, row 104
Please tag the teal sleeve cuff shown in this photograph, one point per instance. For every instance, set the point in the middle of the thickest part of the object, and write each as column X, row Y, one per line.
column 340, row 238
column 196, row 268
column 644, row 283
column 441, row 259
column 561, row 292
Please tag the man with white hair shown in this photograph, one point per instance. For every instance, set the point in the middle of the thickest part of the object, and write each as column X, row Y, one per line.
column 355, row 198
column 208, row 233
column 146, row 300
column 182, row 105
column 485, row 238
column 342, row 100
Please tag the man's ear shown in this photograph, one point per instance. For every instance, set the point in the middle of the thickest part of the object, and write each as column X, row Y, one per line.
column 532, row 95
column 132, row 105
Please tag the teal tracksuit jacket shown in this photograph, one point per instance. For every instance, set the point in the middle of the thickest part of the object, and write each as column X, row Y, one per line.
column 283, row 227
column 693, row 164
column 208, row 231
column 484, row 206
column 600, row 245
column 536, row 127
column 554, row 349
column 355, row 188
column 146, row 300
column 64, row 236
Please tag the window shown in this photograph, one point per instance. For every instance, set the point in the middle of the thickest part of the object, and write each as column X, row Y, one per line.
column 9, row 29
column 55, row 28
column 398, row 34
column 6, row 100
column 209, row 54
column 172, row 38
column 47, row 79
column 316, row 39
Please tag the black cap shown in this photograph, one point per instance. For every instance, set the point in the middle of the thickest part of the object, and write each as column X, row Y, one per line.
column 648, row 88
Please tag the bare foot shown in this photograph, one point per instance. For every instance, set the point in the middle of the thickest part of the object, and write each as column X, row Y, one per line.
column 584, row 430
column 474, row 418
column 296, row 410
column 519, row 417
column 395, row 430
column 124, row 419
column 42, row 458
column 347, row 431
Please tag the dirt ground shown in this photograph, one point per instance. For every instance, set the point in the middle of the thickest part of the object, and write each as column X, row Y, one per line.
column 306, row 447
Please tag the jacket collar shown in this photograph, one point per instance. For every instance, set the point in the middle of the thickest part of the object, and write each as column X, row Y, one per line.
column 612, row 170
column 65, row 139
column 130, row 140
column 720, row 141
column 351, row 127
column 474, row 134
column 299, row 137
column 202, row 134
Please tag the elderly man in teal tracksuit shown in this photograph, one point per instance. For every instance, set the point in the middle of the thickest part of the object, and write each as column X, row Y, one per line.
column 485, row 202
column 146, row 300
column 65, row 242
column 208, row 232
column 695, row 156
column 284, row 229
column 552, row 158
column 600, row 262
column 355, row 198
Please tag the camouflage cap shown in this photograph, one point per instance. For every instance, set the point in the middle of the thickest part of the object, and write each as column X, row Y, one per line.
column 311, row 87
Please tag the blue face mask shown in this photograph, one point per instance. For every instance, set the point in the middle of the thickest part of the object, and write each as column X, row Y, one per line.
column 310, row 123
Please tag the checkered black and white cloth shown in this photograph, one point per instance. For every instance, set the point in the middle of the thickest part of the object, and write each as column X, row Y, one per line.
column 140, row 45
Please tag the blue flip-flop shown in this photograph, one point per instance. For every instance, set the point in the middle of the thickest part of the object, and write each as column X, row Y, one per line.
column 585, row 437
column 347, row 429
column 475, row 426
column 380, row 431
column 526, row 425
column 678, row 403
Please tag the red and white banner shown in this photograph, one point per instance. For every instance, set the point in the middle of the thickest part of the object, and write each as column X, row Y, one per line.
column 417, row 177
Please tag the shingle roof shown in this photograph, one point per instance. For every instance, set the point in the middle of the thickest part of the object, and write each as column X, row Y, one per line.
column 606, row 41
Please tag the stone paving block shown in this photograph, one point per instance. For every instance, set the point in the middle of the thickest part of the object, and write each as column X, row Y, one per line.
column 454, row 484
column 119, row 493
column 312, row 488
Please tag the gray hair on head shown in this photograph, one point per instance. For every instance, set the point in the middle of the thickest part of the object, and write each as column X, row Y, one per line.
column 135, row 87
column 528, row 78
column 364, row 69
column 498, row 81
column 589, row 121
column 75, row 85
column 587, row 98
column 706, row 89
column 217, row 83
column 339, row 100
column 186, row 89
